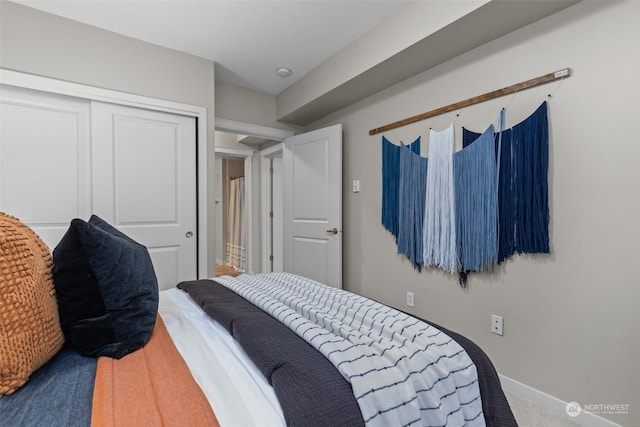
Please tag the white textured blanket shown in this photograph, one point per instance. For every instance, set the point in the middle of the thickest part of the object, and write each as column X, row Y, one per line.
column 403, row 371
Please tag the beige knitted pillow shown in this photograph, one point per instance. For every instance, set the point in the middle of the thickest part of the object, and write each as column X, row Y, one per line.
column 30, row 331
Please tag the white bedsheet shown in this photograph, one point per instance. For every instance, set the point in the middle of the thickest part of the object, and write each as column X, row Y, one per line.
column 239, row 394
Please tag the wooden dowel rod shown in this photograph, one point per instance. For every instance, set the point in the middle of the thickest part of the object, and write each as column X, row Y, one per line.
column 566, row 72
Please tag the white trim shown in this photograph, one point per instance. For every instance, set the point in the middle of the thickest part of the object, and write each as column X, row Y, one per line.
column 552, row 404
column 30, row 81
column 265, row 203
column 234, row 152
column 247, row 155
column 272, row 151
column 249, row 129
column 265, row 207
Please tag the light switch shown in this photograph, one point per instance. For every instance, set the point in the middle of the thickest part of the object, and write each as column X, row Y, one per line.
column 356, row 185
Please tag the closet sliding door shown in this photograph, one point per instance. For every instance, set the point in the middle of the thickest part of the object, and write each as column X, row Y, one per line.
column 63, row 157
column 144, row 183
column 45, row 160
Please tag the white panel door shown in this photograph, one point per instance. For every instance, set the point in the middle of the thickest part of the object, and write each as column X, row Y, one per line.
column 312, row 172
column 144, row 183
column 45, row 169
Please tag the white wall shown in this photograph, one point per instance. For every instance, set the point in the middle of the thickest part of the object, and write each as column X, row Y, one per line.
column 572, row 327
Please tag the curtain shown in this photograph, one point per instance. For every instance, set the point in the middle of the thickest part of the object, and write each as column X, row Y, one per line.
column 236, row 225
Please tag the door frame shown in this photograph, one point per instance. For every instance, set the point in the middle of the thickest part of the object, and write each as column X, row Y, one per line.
column 259, row 131
column 265, row 206
column 247, row 155
column 46, row 84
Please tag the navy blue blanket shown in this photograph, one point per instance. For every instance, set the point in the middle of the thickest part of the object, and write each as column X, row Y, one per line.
column 59, row 394
column 311, row 391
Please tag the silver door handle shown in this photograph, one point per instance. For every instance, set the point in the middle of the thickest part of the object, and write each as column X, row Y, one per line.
column 334, row 230
column 189, row 234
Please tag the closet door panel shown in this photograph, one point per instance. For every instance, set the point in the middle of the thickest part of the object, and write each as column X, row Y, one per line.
column 44, row 160
column 144, row 183
column 147, row 167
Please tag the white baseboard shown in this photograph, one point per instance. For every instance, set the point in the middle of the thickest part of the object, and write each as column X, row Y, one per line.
column 552, row 404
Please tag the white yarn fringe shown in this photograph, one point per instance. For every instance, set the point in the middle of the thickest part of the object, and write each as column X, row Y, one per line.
column 439, row 231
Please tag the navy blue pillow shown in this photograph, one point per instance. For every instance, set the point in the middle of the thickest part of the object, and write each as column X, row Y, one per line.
column 106, row 287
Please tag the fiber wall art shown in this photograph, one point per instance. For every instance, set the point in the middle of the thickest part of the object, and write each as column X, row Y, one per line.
column 470, row 210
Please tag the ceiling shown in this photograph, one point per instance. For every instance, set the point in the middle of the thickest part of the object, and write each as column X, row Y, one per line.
column 339, row 51
column 248, row 40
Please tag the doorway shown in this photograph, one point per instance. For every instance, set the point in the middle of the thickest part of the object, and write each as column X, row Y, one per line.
column 234, row 210
column 318, row 255
column 248, row 139
column 234, row 219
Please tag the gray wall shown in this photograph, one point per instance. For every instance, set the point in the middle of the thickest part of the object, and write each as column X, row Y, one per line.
column 43, row 44
column 571, row 322
column 248, row 106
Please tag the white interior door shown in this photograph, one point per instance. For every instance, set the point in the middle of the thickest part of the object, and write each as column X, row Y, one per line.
column 144, row 183
column 44, row 160
column 312, row 172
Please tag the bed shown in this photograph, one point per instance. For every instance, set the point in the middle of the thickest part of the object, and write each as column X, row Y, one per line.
column 257, row 350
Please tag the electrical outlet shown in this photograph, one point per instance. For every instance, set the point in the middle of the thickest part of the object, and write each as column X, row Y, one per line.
column 410, row 299
column 356, row 185
column 496, row 324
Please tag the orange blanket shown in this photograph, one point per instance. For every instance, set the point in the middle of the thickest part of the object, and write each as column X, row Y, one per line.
column 149, row 387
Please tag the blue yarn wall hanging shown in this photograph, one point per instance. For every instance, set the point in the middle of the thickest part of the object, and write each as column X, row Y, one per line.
column 412, row 192
column 390, row 182
column 439, row 231
column 499, row 205
column 476, row 175
column 523, row 189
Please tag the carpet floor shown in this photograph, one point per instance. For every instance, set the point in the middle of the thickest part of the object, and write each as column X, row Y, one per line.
column 529, row 414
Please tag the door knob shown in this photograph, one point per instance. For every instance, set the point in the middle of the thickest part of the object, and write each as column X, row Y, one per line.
column 189, row 234
column 334, row 230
